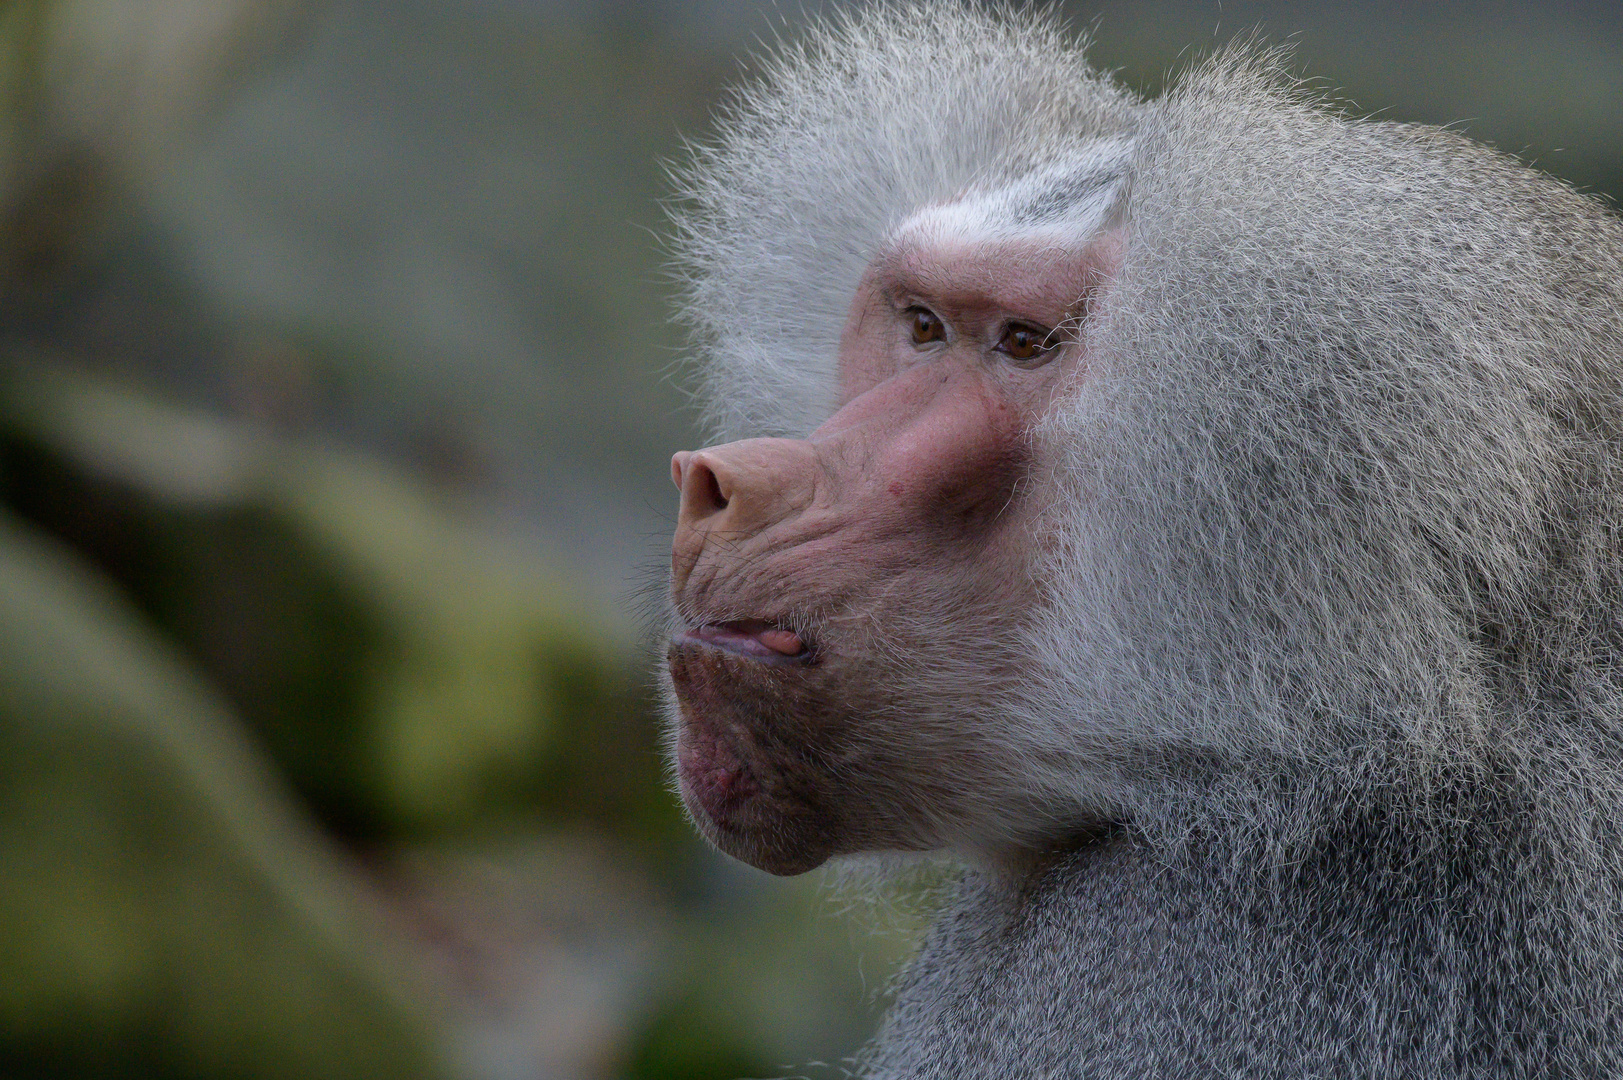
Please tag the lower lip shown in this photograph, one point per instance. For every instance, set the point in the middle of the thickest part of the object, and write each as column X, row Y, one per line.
column 767, row 643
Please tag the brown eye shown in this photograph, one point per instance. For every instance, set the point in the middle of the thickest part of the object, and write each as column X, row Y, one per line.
column 1025, row 343
column 925, row 326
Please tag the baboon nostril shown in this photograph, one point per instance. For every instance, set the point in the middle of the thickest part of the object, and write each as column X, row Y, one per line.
column 713, row 491
column 702, row 491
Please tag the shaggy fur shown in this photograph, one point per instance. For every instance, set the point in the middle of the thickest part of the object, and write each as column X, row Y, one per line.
column 1316, row 765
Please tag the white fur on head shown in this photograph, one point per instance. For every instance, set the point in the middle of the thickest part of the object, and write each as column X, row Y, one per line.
column 846, row 134
column 1066, row 204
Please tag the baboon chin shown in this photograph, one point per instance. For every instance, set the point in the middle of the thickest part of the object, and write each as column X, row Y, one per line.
column 1212, row 501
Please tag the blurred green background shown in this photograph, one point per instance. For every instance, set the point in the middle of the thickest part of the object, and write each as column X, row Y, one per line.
column 336, row 394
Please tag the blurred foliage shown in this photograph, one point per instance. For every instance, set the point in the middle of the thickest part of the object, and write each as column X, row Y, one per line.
column 163, row 911
column 405, row 674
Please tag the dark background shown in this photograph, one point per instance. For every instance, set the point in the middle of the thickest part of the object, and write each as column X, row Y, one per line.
column 336, row 393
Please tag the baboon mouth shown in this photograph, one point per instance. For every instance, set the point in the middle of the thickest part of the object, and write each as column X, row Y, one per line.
column 754, row 638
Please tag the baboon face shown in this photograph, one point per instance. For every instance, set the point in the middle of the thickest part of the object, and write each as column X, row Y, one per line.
column 848, row 603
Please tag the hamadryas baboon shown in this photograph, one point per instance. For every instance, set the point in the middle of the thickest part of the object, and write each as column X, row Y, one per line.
column 1203, row 515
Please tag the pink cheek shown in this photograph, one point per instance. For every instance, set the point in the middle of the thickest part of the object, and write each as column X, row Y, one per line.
column 954, row 459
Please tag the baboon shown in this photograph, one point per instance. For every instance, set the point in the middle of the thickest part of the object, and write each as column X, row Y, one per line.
column 1203, row 516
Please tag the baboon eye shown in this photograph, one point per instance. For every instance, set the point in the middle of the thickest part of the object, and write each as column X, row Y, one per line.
column 1026, row 344
column 925, row 326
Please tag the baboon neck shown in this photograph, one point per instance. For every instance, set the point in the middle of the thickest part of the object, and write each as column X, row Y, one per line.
column 1382, row 944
